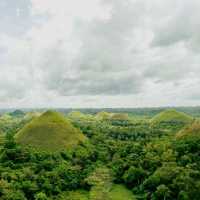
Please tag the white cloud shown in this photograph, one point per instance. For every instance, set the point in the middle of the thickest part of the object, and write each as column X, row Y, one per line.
column 101, row 53
column 85, row 10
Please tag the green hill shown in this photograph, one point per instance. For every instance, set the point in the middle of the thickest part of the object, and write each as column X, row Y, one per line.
column 17, row 113
column 187, row 143
column 191, row 131
column 171, row 116
column 103, row 115
column 112, row 116
column 120, row 116
column 50, row 132
column 77, row 115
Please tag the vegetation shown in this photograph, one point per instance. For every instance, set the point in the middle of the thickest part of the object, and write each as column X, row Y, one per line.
column 171, row 119
column 124, row 157
column 103, row 115
column 51, row 132
column 17, row 113
column 119, row 192
column 171, row 116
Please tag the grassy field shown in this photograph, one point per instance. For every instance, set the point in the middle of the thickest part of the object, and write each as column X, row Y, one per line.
column 120, row 192
column 117, row 192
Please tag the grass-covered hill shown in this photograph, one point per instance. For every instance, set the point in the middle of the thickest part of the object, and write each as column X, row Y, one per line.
column 76, row 114
column 119, row 116
column 192, row 131
column 112, row 116
column 103, row 115
column 171, row 116
column 50, row 132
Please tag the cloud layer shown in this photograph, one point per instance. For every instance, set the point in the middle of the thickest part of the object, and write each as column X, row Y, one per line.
column 99, row 53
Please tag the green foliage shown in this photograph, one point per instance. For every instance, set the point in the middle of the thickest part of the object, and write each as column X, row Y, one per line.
column 188, row 140
column 17, row 113
column 162, row 192
column 134, row 176
column 9, row 124
column 120, row 160
column 41, row 196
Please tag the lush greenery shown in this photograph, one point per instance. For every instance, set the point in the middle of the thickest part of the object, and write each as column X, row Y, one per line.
column 123, row 158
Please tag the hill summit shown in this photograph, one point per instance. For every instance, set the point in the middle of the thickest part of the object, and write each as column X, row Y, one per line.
column 50, row 132
column 103, row 115
column 171, row 116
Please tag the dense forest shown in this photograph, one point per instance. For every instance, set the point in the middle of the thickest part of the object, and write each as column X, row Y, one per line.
column 100, row 154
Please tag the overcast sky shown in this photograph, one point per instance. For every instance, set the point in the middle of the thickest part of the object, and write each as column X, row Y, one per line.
column 99, row 53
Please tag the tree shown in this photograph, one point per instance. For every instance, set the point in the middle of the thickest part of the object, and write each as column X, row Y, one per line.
column 162, row 192
column 9, row 141
column 133, row 176
column 41, row 196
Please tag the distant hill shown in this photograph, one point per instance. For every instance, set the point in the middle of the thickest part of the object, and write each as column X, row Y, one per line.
column 31, row 115
column 50, row 132
column 103, row 115
column 76, row 114
column 119, row 116
column 17, row 113
column 171, row 116
column 112, row 116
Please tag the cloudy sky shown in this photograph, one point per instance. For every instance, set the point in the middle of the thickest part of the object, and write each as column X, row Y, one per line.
column 99, row 53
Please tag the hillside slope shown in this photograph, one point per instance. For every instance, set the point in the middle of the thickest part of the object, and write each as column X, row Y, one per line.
column 171, row 116
column 50, row 132
column 192, row 131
